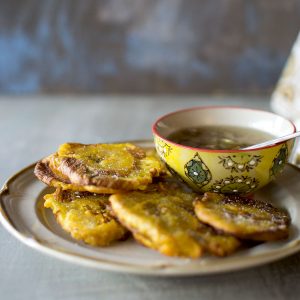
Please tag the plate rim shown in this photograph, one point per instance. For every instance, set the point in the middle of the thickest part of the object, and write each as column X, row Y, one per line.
column 108, row 265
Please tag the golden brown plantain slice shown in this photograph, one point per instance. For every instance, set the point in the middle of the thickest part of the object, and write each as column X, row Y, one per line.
column 100, row 168
column 85, row 216
column 243, row 217
column 53, row 177
column 164, row 220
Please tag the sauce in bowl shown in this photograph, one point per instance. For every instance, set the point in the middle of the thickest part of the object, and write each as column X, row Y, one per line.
column 219, row 137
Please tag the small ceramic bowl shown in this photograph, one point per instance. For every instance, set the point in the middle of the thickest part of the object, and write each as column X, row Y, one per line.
column 223, row 171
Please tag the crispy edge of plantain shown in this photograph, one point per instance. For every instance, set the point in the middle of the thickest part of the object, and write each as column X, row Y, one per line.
column 44, row 173
column 219, row 222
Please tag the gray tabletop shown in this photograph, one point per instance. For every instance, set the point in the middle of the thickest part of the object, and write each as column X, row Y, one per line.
column 31, row 128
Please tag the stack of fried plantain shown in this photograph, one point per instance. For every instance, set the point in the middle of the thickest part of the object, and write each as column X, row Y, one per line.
column 105, row 191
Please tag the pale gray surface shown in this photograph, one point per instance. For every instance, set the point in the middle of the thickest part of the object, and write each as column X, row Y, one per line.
column 32, row 128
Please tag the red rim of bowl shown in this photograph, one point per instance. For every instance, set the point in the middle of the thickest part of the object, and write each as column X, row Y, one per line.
column 154, row 128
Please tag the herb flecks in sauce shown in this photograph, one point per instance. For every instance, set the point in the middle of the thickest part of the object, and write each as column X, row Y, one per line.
column 219, row 137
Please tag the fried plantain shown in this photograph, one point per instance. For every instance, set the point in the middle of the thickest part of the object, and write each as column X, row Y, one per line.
column 163, row 219
column 243, row 217
column 53, row 177
column 85, row 216
column 100, row 168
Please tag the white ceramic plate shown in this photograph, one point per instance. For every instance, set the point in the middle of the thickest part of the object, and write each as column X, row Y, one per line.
column 23, row 215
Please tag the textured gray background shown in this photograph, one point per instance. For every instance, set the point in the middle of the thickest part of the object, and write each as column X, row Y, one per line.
column 34, row 128
column 144, row 46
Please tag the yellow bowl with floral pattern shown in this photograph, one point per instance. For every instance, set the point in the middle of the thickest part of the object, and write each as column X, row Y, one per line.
column 223, row 171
